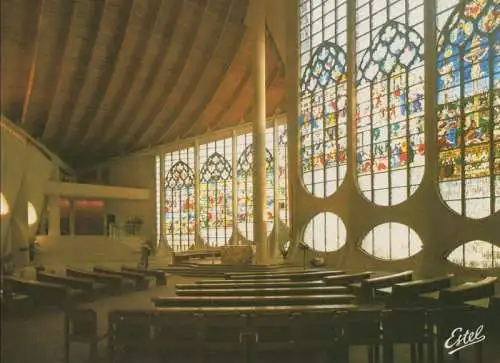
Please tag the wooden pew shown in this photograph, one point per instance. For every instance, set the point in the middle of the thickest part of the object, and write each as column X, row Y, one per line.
column 116, row 283
column 278, row 291
column 142, row 281
column 250, row 285
column 407, row 293
column 88, row 285
column 43, row 292
column 366, row 288
column 189, row 334
column 227, row 301
column 160, row 276
column 460, row 294
column 240, row 281
column 347, row 279
column 294, row 276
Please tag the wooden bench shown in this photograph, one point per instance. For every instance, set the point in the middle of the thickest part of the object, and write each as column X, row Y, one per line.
column 460, row 294
column 366, row 288
column 43, row 292
column 246, row 333
column 142, row 281
column 278, row 291
column 160, row 276
column 88, row 285
column 347, row 279
column 240, row 281
column 250, row 285
column 117, row 284
column 406, row 293
column 294, row 276
column 226, row 301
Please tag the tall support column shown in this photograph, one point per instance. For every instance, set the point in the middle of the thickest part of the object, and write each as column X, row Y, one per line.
column 54, row 216
column 259, row 131
column 234, row 187
column 197, row 239
column 72, row 217
column 276, row 192
column 161, row 232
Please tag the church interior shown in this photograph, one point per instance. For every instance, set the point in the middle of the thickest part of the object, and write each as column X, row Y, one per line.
column 239, row 181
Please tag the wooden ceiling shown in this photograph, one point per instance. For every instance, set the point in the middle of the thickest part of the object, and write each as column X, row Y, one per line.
column 93, row 79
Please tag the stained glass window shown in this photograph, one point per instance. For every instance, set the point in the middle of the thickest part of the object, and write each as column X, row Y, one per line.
column 391, row 241
column 468, row 113
column 476, row 254
column 282, row 165
column 216, row 206
column 390, row 99
column 179, row 205
column 159, row 190
column 325, row 232
column 245, row 183
column 323, row 95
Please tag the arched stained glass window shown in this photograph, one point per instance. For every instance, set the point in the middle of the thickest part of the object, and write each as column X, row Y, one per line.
column 282, row 164
column 216, row 206
column 476, row 254
column 245, row 184
column 392, row 241
column 179, row 206
column 390, row 99
column 323, row 95
column 468, row 113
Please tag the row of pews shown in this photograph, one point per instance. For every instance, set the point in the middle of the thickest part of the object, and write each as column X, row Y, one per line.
column 293, row 316
column 52, row 289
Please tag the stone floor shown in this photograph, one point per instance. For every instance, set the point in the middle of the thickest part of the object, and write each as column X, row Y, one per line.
column 39, row 338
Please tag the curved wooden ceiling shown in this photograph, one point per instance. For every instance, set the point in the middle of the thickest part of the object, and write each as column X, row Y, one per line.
column 92, row 79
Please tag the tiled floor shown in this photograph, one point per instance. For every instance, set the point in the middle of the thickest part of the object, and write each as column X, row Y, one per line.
column 39, row 339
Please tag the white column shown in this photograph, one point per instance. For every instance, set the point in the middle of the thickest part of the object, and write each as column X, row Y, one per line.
column 72, row 218
column 259, row 131
column 234, row 187
column 54, row 216
column 197, row 239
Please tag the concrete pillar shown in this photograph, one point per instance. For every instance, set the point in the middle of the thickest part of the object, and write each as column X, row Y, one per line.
column 72, row 217
column 259, row 131
column 54, row 216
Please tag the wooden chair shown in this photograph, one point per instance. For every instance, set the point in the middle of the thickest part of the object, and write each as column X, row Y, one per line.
column 81, row 327
column 407, row 326
column 361, row 327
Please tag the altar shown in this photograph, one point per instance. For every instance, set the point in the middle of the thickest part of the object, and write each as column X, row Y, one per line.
column 236, row 254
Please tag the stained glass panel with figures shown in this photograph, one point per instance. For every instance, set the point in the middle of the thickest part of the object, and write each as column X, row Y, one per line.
column 392, row 241
column 476, row 254
column 468, row 89
column 179, row 208
column 245, row 183
column 323, row 95
column 216, row 212
column 390, row 99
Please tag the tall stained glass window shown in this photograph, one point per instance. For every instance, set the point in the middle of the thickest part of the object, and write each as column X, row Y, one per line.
column 216, row 213
column 179, row 205
column 281, row 161
column 245, row 183
column 390, row 99
column 323, row 95
column 468, row 113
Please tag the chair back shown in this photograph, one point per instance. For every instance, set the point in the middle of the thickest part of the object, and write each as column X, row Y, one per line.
column 404, row 325
column 82, row 323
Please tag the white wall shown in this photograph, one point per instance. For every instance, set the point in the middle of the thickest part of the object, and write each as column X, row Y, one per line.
column 135, row 171
column 24, row 172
